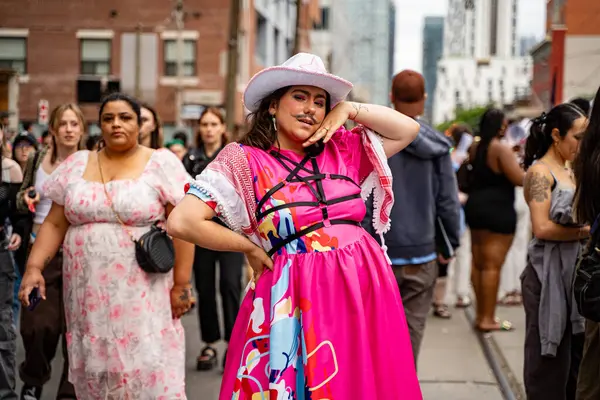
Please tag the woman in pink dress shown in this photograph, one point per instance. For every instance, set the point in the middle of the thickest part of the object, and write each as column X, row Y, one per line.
column 124, row 337
column 323, row 318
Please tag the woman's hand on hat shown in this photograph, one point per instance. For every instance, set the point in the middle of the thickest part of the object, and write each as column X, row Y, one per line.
column 336, row 118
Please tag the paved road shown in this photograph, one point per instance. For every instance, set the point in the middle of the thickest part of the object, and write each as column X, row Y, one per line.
column 451, row 366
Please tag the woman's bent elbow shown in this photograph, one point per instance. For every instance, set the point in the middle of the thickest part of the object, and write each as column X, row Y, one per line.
column 176, row 224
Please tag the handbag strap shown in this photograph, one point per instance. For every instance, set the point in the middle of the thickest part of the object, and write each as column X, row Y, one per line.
column 110, row 202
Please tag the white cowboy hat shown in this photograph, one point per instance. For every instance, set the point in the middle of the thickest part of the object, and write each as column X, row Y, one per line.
column 301, row 69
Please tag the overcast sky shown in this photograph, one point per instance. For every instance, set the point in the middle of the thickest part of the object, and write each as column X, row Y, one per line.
column 409, row 26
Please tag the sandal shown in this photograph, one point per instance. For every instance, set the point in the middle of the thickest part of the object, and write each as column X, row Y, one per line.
column 441, row 311
column 503, row 326
column 463, row 302
column 510, row 299
column 207, row 359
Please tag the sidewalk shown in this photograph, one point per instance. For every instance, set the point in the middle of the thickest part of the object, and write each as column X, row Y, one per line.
column 511, row 344
column 452, row 365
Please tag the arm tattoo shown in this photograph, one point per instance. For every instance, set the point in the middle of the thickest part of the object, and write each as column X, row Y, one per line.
column 536, row 187
column 358, row 107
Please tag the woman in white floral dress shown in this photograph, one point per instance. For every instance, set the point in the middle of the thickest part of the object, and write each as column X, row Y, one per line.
column 124, row 337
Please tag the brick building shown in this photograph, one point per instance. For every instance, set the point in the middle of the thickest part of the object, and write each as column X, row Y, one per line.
column 567, row 61
column 65, row 50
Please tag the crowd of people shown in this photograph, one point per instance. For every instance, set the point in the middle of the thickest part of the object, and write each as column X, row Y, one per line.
column 355, row 220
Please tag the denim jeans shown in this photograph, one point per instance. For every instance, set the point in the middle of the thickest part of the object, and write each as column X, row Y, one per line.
column 8, row 335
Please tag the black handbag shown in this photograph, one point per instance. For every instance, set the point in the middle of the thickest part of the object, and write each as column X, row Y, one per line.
column 586, row 281
column 154, row 250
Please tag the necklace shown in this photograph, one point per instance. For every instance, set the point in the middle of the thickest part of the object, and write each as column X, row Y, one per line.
column 566, row 168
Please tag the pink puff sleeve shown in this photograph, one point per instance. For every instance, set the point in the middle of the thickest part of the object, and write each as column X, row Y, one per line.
column 350, row 145
column 173, row 179
column 55, row 188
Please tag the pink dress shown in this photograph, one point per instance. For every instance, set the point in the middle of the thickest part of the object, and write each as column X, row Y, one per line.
column 122, row 340
column 328, row 322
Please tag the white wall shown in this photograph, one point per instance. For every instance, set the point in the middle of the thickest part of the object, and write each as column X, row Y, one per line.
column 582, row 66
column 321, row 40
column 280, row 16
column 462, row 75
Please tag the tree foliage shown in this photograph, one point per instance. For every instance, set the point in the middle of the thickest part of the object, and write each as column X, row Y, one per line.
column 470, row 117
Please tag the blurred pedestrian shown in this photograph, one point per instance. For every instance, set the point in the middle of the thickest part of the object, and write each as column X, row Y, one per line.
column 23, row 146
column 426, row 215
column 125, row 339
column 151, row 133
column 516, row 258
column 491, row 215
column 210, row 140
column 43, row 329
column 9, row 186
column 456, row 288
column 587, row 211
column 177, row 147
column 92, row 142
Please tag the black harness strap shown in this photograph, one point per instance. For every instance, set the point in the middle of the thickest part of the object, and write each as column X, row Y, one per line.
column 308, row 230
column 322, row 201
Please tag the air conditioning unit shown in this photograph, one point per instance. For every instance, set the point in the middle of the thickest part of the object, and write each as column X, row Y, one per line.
column 92, row 89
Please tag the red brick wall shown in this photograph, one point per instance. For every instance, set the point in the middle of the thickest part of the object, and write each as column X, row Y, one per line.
column 583, row 17
column 53, row 49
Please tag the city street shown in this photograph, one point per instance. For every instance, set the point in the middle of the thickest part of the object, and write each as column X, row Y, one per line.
column 452, row 365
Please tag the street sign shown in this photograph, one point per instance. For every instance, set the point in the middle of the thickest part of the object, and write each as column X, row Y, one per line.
column 43, row 112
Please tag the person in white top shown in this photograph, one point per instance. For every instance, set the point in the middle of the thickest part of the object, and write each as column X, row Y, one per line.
column 42, row 328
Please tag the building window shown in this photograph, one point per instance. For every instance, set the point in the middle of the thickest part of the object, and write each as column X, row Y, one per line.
column 494, row 27
column 14, row 54
column 189, row 57
column 323, row 25
column 276, row 46
column 261, row 38
column 95, row 57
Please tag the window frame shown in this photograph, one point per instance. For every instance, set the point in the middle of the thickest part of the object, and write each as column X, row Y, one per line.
column 95, row 63
column 168, row 64
column 11, row 62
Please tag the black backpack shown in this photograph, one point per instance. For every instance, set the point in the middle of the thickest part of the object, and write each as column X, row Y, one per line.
column 586, row 282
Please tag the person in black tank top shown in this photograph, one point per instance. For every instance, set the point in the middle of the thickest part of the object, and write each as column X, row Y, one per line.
column 490, row 214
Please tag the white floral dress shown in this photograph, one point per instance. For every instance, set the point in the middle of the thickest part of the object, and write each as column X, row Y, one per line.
column 123, row 342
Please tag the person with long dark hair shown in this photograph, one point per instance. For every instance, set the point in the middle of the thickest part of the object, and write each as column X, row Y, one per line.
column 586, row 168
column 491, row 215
column 319, row 314
column 210, row 140
column 553, row 340
column 125, row 339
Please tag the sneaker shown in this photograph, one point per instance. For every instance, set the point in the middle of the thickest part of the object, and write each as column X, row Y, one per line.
column 31, row 393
